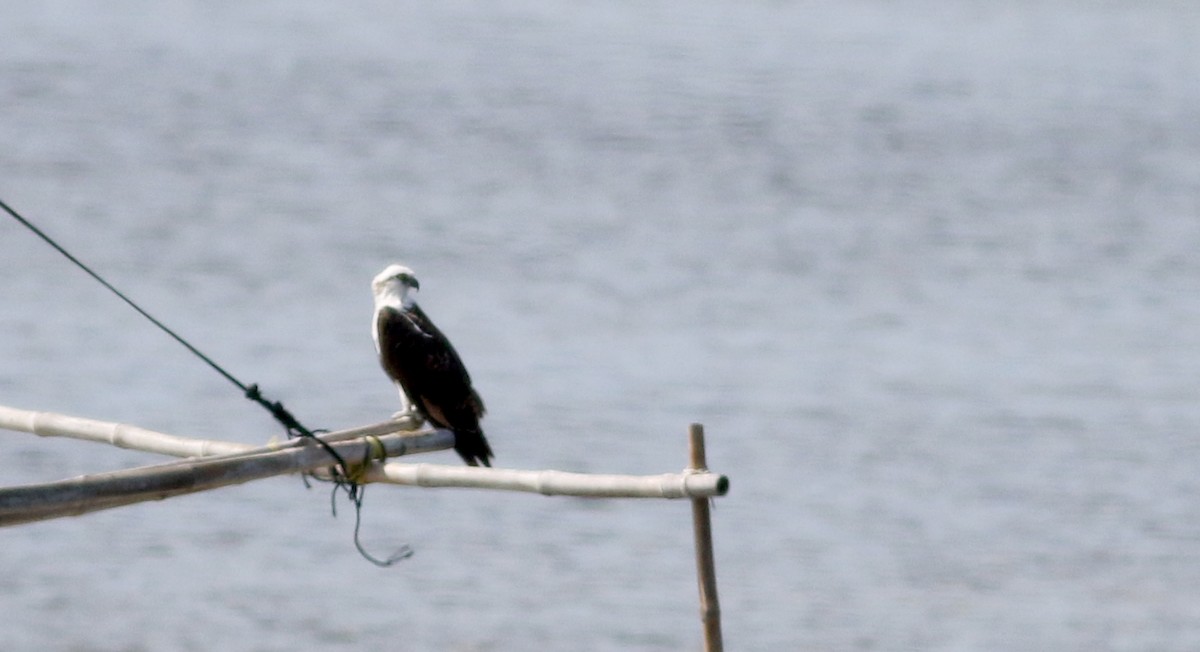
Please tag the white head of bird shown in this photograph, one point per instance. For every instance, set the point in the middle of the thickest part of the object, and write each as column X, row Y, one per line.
column 395, row 286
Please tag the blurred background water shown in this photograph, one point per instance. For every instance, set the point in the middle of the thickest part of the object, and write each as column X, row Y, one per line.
column 928, row 273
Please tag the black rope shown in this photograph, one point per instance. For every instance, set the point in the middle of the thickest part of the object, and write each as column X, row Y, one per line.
column 38, row 232
column 281, row 414
column 403, row 553
column 341, row 472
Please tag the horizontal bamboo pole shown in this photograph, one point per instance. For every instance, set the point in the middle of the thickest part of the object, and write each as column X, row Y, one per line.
column 552, row 483
column 95, row 492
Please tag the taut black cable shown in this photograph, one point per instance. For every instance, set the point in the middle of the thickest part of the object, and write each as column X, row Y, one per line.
column 281, row 414
column 50, row 241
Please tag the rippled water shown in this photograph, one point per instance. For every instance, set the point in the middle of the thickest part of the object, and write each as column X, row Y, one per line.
column 928, row 274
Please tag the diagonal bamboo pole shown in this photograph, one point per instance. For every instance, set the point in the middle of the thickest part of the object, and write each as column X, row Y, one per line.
column 49, row 424
column 706, row 572
column 90, row 493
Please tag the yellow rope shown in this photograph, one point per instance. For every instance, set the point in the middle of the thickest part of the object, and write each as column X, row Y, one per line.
column 375, row 451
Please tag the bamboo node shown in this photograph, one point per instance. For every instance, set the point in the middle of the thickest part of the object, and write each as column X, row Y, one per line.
column 34, row 424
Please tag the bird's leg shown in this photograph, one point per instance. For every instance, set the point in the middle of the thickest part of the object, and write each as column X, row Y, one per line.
column 408, row 412
column 406, row 405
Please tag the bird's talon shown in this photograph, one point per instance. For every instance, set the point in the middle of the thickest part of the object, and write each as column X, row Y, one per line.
column 410, row 418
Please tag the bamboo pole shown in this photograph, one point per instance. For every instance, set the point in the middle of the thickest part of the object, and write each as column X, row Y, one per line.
column 246, row 462
column 706, row 573
column 552, row 483
column 49, row 424
column 545, row 482
column 100, row 491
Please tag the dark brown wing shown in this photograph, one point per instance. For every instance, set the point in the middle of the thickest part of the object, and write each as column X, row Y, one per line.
column 419, row 357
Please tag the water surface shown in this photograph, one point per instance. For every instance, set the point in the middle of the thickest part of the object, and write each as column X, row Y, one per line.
column 928, row 276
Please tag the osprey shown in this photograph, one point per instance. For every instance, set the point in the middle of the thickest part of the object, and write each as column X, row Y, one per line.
column 426, row 369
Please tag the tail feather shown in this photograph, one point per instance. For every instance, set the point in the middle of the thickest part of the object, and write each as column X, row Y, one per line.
column 473, row 447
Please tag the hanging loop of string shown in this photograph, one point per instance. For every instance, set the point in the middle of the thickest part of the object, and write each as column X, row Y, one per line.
column 356, row 493
column 341, row 476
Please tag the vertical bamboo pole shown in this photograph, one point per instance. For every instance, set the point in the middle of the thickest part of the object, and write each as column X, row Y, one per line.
column 706, row 573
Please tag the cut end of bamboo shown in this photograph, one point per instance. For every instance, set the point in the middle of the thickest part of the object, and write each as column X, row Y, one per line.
column 696, row 453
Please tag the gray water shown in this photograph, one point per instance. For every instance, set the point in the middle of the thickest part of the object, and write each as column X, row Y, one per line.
column 928, row 273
